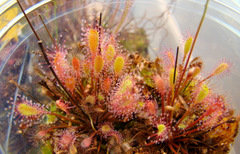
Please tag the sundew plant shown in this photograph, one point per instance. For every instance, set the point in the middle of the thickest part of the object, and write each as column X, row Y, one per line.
column 106, row 99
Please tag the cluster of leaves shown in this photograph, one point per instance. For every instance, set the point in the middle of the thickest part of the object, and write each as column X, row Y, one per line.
column 107, row 100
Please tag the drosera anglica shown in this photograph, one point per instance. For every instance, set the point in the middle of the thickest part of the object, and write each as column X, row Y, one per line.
column 28, row 112
column 104, row 99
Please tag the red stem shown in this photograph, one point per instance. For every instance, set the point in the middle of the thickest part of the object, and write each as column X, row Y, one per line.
column 194, row 130
column 60, row 116
column 185, row 139
column 56, row 127
column 151, row 143
column 191, row 50
column 172, row 149
column 209, row 111
column 179, row 148
column 185, row 114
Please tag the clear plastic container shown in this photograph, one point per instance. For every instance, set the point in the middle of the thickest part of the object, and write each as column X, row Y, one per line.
column 164, row 22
